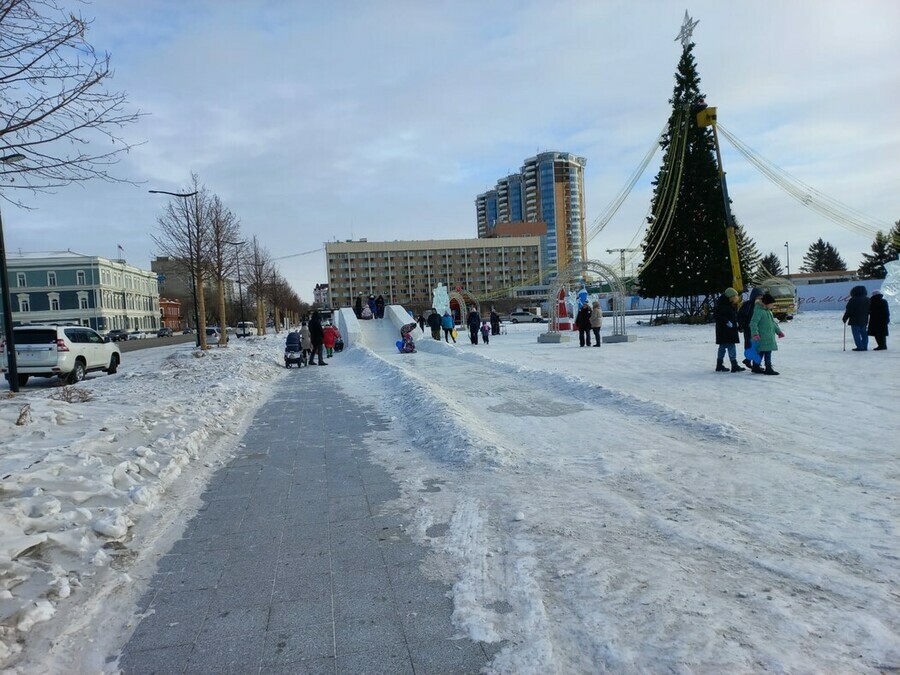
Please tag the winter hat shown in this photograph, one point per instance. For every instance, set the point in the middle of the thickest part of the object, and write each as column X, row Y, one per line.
column 730, row 292
column 876, row 292
column 767, row 299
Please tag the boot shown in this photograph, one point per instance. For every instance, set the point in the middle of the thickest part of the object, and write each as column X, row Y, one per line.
column 735, row 368
column 748, row 363
column 756, row 368
column 720, row 368
column 770, row 371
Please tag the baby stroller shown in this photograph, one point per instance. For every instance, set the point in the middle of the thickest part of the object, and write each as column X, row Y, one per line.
column 406, row 344
column 293, row 352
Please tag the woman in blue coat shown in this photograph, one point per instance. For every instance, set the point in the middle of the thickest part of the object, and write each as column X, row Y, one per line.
column 447, row 325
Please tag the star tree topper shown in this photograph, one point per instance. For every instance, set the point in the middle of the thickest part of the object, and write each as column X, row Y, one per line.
column 686, row 29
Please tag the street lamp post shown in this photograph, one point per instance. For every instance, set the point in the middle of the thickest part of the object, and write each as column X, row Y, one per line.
column 243, row 330
column 788, row 259
column 12, row 370
column 185, row 196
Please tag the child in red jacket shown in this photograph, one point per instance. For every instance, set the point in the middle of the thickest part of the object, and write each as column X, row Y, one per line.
column 330, row 335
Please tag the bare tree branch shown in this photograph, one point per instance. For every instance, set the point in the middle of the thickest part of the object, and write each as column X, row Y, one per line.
column 55, row 107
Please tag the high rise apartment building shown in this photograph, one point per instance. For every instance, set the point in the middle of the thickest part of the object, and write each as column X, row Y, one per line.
column 549, row 190
column 406, row 272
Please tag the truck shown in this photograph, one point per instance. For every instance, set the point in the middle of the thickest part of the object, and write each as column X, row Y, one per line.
column 785, row 293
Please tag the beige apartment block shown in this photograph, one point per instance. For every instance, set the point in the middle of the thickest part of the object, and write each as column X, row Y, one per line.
column 405, row 272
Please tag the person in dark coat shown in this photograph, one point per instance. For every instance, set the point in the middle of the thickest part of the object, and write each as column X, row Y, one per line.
column 371, row 303
column 357, row 306
column 379, row 307
column 495, row 322
column 474, row 323
column 583, row 324
column 879, row 318
column 434, row 323
column 317, row 335
column 726, row 316
column 856, row 315
column 421, row 321
column 745, row 313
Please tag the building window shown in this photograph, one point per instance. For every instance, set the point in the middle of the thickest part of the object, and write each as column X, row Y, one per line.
column 83, row 303
column 24, row 304
column 20, row 280
column 51, row 278
column 79, row 278
column 54, row 304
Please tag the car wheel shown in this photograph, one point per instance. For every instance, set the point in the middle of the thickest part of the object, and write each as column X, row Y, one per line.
column 515, row 321
column 77, row 374
column 113, row 364
column 535, row 320
column 23, row 380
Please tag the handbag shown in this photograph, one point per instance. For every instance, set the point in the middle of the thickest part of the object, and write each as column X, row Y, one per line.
column 453, row 333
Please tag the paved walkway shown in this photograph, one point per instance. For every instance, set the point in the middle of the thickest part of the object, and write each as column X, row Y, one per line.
column 289, row 568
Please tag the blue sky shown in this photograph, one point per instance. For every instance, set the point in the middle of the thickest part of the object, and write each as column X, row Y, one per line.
column 323, row 121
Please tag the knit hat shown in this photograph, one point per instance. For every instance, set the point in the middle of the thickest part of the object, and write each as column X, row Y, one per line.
column 767, row 299
column 876, row 292
column 730, row 292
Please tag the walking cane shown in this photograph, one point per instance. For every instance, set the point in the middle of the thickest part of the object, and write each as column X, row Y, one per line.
column 845, row 337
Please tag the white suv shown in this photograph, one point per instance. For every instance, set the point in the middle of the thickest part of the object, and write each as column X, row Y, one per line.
column 69, row 352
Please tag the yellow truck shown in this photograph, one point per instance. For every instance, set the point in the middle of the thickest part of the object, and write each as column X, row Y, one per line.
column 785, row 294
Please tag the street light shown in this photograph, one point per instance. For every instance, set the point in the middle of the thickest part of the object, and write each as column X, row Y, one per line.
column 185, row 196
column 12, row 369
column 788, row 259
column 243, row 330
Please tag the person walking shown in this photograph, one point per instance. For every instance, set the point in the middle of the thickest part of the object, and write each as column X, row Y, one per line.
column 473, row 321
column 330, row 334
column 357, row 306
column 745, row 314
column 317, row 336
column 495, row 322
column 583, row 323
column 370, row 303
column 379, row 307
column 434, row 323
column 306, row 343
column 856, row 315
column 447, row 325
column 421, row 321
column 879, row 318
column 596, row 321
column 764, row 328
column 726, row 317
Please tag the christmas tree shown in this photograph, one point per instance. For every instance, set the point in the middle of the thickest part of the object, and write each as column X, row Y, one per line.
column 685, row 248
column 872, row 266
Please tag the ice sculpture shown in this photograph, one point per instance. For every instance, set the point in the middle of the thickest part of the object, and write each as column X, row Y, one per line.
column 439, row 299
column 890, row 288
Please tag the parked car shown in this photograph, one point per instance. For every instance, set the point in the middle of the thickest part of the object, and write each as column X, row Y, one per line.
column 68, row 352
column 136, row 335
column 521, row 316
column 245, row 329
column 187, row 331
column 117, row 334
column 213, row 333
column 164, row 332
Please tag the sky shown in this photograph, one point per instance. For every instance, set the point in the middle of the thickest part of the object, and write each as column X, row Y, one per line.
column 318, row 122
column 590, row 515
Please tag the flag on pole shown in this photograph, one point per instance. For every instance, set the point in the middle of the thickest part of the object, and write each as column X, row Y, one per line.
column 119, row 246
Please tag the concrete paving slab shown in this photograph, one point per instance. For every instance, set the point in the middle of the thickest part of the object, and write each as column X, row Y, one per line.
column 296, row 562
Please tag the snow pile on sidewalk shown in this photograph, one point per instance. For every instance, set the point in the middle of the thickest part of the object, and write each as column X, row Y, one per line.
column 82, row 466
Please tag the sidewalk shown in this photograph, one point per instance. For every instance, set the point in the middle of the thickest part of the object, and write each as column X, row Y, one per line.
column 289, row 568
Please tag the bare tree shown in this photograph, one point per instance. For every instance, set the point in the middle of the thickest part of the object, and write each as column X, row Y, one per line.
column 260, row 272
column 223, row 228
column 184, row 237
column 56, row 107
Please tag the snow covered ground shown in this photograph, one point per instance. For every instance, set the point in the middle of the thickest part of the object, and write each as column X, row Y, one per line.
column 614, row 509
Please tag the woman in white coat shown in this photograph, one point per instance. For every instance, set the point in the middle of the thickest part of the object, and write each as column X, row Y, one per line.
column 596, row 321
